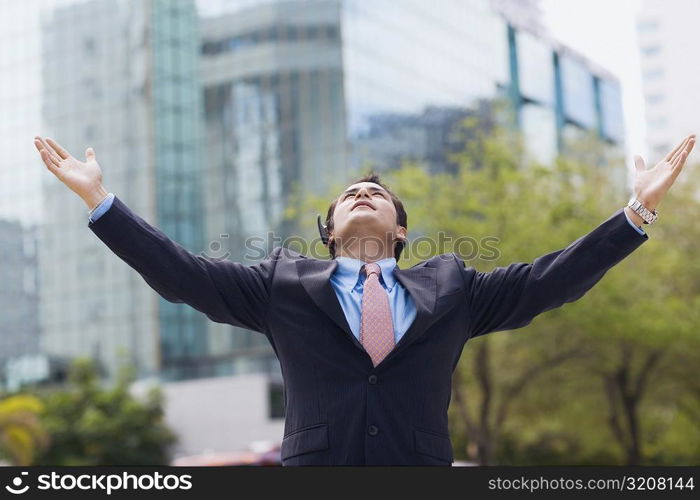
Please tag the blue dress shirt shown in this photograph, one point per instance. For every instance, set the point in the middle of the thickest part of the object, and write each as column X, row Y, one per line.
column 639, row 229
column 348, row 284
column 101, row 208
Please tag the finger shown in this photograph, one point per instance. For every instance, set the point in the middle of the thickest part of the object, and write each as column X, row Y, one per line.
column 675, row 156
column 639, row 163
column 678, row 152
column 676, row 170
column 59, row 150
column 670, row 155
column 40, row 146
column 691, row 144
column 47, row 161
column 50, row 151
column 679, row 160
column 90, row 154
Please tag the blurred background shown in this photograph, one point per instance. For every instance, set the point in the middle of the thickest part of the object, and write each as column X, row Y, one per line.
column 222, row 120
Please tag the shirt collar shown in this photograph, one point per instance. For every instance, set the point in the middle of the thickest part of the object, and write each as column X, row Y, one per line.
column 348, row 271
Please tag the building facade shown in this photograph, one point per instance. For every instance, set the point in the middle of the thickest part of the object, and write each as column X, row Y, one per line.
column 666, row 36
column 208, row 118
column 19, row 326
column 124, row 81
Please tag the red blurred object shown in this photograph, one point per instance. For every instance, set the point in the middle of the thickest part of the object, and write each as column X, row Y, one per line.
column 269, row 457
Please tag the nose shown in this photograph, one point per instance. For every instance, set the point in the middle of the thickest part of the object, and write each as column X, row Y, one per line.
column 362, row 192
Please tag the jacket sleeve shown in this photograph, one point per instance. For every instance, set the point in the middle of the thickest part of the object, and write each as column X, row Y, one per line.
column 511, row 297
column 225, row 291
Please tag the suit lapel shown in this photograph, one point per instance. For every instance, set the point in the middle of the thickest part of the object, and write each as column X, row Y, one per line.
column 419, row 282
column 315, row 277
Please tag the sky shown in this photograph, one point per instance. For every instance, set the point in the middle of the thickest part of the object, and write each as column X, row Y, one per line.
column 604, row 31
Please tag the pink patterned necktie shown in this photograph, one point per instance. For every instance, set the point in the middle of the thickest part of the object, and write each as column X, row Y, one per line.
column 376, row 329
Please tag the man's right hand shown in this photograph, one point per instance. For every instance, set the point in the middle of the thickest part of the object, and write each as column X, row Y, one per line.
column 84, row 178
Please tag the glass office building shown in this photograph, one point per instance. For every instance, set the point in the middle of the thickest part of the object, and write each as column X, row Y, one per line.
column 125, row 82
column 19, row 327
column 207, row 115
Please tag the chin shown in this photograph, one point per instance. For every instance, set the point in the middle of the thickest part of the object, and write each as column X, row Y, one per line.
column 363, row 212
column 365, row 219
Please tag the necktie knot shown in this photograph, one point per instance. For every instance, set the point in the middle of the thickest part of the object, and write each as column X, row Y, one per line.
column 373, row 268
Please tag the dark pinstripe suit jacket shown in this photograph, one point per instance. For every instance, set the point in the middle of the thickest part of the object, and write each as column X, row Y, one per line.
column 340, row 410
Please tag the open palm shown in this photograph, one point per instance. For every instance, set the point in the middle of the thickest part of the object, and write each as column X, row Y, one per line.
column 650, row 185
column 83, row 177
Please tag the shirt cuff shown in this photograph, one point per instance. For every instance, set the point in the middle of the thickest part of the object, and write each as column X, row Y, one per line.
column 635, row 226
column 101, row 208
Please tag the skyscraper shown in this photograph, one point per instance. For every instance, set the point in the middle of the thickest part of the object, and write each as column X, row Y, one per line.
column 667, row 39
column 123, row 79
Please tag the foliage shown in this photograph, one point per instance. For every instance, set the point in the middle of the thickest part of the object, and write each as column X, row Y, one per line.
column 92, row 425
column 21, row 432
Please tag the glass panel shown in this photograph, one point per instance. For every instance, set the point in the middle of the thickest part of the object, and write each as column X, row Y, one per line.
column 577, row 86
column 535, row 68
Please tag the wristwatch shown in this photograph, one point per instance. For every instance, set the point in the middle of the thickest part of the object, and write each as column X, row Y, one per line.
column 648, row 216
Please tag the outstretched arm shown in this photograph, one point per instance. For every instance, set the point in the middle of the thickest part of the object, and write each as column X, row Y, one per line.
column 226, row 291
column 511, row 297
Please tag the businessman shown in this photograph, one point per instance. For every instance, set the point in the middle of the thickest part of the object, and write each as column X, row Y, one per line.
column 366, row 349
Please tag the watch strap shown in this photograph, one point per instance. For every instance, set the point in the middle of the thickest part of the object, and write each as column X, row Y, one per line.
column 648, row 216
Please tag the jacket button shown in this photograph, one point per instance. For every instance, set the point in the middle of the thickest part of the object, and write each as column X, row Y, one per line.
column 372, row 379
column 373, row 430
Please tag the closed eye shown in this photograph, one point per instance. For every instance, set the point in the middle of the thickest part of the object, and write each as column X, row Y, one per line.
column 353, row 193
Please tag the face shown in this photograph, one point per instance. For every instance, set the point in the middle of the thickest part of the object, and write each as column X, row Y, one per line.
column 365, row 210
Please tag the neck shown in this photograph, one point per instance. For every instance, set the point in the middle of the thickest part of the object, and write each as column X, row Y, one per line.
column 371, row 251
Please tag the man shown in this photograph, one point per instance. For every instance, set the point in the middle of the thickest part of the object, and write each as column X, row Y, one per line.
column 367, row 349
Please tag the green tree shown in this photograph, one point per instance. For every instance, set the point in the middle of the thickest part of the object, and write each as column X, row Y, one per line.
column 92, row 425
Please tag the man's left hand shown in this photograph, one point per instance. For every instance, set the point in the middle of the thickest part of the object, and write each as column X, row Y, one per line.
column 651, row 185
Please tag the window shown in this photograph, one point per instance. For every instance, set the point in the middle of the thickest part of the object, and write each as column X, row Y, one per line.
column 653, row 74
column 540, row 131
column 275, row 393
column 658, row 122
column 89, row 46
column 651, row 50
column 268, row 35
column 655, row 98
column 536, row 69
column 612, row 122
column 647, row 26
column 579, row 93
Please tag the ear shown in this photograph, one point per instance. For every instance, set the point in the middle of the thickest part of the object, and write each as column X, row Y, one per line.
column 401, row 234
